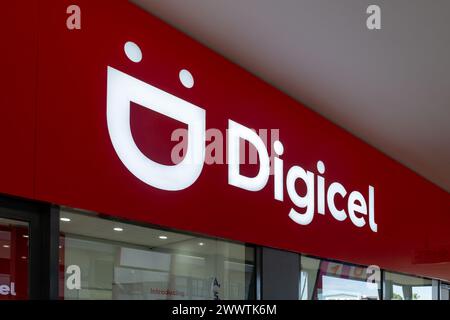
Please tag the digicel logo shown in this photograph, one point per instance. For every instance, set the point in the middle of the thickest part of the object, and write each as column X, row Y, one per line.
column 122, row 89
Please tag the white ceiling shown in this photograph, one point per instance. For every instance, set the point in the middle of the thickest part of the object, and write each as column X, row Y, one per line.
column 88, row 226
column 389, row 87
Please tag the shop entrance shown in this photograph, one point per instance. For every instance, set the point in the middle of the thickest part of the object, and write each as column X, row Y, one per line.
column 28, row 251
column 14, row 256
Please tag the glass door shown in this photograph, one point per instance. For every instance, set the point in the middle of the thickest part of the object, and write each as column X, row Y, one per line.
column 14, row 257
column 445, row 291
column 28, row 250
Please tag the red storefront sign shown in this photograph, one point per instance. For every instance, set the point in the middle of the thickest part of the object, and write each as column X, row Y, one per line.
column 58, row 145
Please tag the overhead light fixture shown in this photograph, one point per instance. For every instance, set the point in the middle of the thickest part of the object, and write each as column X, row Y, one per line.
column 5, row 246
column 65, row 219
column 201, row 244
column 118, row 229
column 163, row 237
column 25, row 236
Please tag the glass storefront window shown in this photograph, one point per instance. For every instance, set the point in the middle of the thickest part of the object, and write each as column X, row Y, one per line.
column 445, row 291
column 326, row 280
column 105, row 259
column 14, row 255
column 403, row 287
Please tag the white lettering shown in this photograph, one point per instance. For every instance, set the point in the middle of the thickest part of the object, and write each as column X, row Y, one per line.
column 188, row 155
column 236, row 132
column 336, row 188
column 306, row 201
column 4, row 290
column 353, row 207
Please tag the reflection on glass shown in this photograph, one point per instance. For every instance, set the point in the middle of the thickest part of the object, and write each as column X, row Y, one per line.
column 403, row 287
column 13, row 260
column 326, row 280
column 122, row 261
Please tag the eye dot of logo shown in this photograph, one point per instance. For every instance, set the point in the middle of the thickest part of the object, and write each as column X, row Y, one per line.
column 186, row 78
column 133, row 52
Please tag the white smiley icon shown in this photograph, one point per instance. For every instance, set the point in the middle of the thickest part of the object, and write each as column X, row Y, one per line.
column 122, row 89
